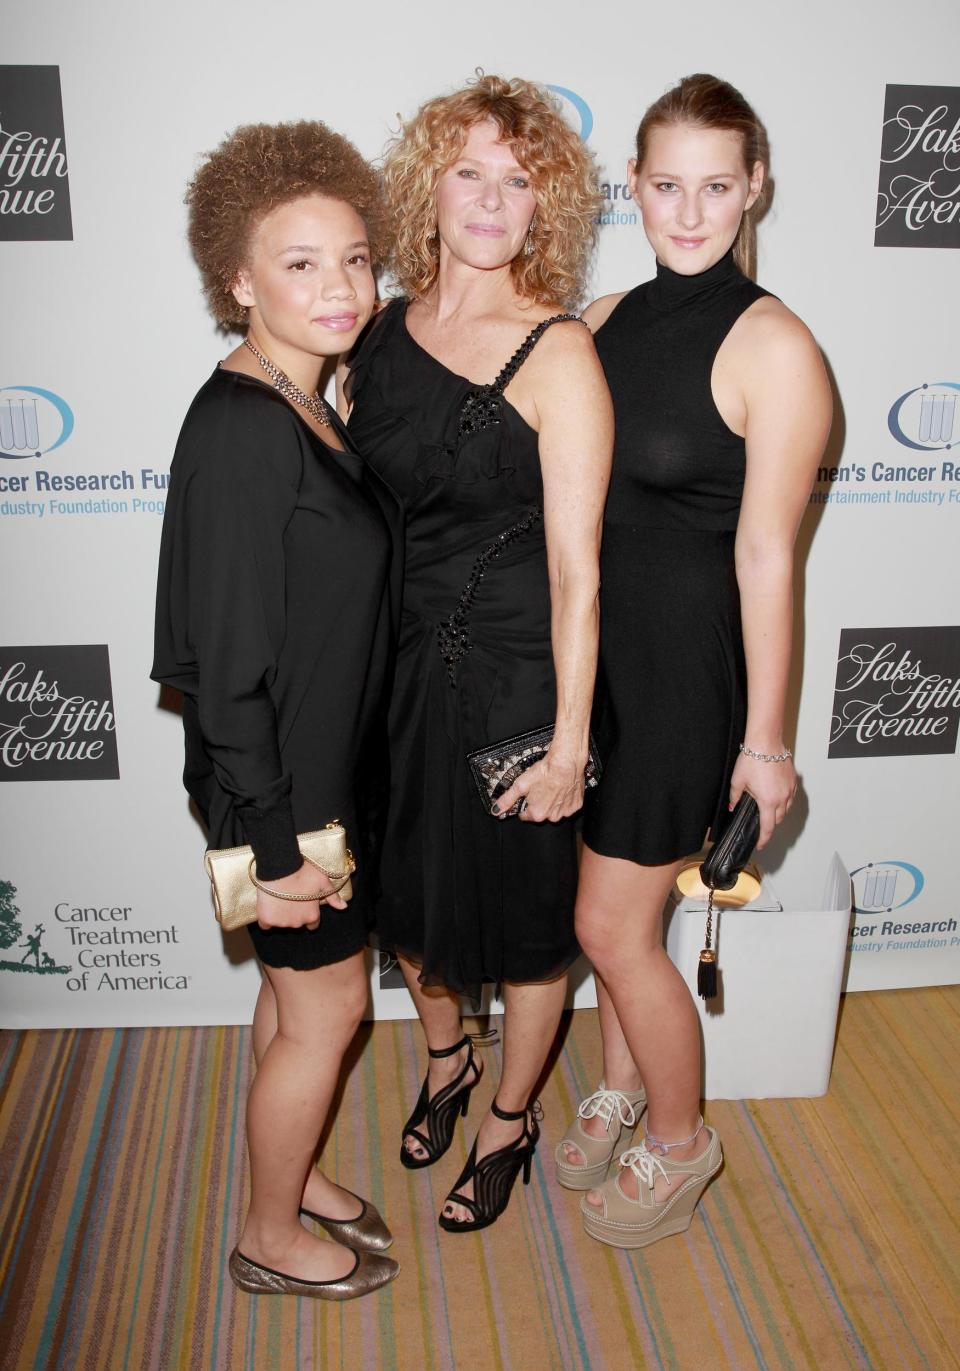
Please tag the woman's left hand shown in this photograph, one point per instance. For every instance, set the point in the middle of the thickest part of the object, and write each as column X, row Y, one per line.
column 549, row 790
column 772, row 784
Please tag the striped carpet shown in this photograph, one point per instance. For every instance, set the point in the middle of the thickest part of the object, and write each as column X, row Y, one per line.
column 830, row 1240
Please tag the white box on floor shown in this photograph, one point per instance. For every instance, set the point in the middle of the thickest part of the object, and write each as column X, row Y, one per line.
column 770, row 1033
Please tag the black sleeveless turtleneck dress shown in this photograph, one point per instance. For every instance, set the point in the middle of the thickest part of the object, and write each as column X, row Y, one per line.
column 671, row 690
column 468, row 897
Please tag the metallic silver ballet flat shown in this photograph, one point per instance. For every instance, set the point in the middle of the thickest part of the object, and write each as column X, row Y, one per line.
column 369, row 1273
column 366, row 1233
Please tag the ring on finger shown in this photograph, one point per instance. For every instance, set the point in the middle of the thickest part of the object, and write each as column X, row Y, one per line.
column 522, row 806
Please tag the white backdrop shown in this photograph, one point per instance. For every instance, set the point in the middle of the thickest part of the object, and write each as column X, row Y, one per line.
column 112, row 323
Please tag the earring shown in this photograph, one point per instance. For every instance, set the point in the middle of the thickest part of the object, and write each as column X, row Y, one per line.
column 529, row 248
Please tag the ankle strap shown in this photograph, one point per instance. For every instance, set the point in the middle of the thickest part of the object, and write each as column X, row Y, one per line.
column 653, row 1144
column 448, row 1051
column 508, row 1115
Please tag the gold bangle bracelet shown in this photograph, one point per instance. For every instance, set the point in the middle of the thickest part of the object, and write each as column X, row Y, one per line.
column 340, row 876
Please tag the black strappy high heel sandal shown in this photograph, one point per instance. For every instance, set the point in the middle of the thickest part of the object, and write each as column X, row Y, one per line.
column 440, row 1112
column 493, row 1176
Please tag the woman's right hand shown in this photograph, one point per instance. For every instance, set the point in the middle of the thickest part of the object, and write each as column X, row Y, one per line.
column 274, row 913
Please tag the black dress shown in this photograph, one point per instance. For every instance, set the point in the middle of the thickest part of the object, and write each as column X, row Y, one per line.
column 273, row 620
column 468, row 897
column 671, row 692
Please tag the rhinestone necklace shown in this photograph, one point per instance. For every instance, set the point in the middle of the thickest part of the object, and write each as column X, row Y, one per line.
column 314, row 404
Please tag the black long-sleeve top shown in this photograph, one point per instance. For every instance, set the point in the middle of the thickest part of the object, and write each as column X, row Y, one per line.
column 272, row 616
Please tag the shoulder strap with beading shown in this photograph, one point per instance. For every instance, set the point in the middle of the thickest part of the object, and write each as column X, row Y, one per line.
column 526, row 347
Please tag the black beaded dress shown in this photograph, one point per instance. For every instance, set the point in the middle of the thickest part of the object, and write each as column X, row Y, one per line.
column 468, row 897
column 671, row 690
column 274, row 620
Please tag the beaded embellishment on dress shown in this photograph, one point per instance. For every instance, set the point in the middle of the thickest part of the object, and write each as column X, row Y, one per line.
column 481, row 408
column 453, row 633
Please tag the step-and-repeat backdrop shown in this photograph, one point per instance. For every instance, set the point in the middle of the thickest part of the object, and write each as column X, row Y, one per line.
column 104, row 908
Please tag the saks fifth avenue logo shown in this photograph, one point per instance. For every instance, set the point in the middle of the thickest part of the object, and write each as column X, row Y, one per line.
column 897, row 692
column 33, row 422
column 56, row 714
column 34, row 181
column 391, row 977
column 918, row 198
column 925, row 418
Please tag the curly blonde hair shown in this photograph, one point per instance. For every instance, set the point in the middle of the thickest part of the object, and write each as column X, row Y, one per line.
column 253, row 171
column 563, row 178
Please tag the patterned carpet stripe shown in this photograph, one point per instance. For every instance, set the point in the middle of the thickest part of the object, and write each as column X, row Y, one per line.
column 831, row 1239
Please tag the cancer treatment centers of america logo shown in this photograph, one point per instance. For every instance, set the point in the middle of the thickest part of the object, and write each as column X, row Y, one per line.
column 918, row 198
column 34, row 179
column 56, row 714
column 897, row 692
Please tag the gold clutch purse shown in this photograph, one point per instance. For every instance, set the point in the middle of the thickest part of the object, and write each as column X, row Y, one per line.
column 235, row 884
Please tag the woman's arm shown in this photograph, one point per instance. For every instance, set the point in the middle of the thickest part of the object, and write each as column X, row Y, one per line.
column 575, row 417
column 598, row 311
column 788, row 409
column 223, row 564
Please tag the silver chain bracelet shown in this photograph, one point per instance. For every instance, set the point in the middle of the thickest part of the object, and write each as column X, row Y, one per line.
column 766, row 756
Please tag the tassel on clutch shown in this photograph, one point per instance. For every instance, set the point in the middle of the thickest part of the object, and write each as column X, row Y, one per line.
column 719, row 871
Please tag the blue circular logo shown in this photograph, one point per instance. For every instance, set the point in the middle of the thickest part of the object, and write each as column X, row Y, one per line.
column 882, row 887
column 583, row 110
column 33, row 422
column 929, row 413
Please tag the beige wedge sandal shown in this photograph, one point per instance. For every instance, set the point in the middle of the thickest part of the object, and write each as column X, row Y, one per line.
column 625, row 1222
column 620, row 1112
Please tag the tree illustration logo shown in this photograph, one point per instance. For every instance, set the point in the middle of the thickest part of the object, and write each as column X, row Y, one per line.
column 34, row 959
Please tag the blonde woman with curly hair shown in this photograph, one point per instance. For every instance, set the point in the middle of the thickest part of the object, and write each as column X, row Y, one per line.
column 272, row 620
column 478, row 396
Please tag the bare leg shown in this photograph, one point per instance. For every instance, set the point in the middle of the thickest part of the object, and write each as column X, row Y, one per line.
column 619, row 1069
column 318, row 1013
column 532, row 1015
column 439, row 1012
column 320, row 1194
column 264, row 1019
column 619, row 925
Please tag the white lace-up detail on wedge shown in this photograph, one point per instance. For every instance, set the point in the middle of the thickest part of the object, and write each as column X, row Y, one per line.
column 619, row 1111
column 644, row 1165
column 622, row 1221
column 604, row 1104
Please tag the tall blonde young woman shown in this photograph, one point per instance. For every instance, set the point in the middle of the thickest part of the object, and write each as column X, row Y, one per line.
column 722, row 410
column 479, row 398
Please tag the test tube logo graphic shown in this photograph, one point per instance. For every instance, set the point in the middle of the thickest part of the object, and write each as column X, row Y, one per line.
column 886, row 886
column 937, row 413
column 19, row 427
column 879, row 888
column 924, row 417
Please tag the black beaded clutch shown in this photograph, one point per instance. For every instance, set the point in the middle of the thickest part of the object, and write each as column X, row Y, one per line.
column 495, row 768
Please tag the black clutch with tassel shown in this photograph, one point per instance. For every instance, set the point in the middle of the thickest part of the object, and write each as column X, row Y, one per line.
column 719, row 871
